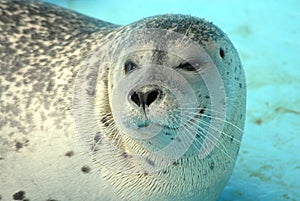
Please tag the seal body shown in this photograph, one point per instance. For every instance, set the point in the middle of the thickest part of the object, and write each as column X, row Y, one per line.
column 86, row 106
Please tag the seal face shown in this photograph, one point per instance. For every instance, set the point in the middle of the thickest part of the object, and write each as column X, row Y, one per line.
column 159, row 105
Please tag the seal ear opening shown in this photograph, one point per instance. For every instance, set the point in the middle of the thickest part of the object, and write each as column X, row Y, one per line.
column 222, row 53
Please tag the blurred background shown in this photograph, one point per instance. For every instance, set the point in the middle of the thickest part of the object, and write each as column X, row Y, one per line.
column 267, row 36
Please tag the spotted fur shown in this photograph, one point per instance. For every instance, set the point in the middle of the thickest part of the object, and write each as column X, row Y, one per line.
column 42, row 49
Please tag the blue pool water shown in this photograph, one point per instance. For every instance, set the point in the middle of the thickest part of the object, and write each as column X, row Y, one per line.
column 266, row 34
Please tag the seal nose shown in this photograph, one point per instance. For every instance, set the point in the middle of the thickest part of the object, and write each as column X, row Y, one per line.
column 145, row 98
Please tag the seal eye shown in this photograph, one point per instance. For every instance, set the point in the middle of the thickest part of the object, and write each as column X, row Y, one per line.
column 129, row 66
column 187, row 66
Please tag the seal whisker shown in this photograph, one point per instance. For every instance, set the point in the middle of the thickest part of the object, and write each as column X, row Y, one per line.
column 208, row 124
column 220, row 145
column 197, row 133
column 222, row 148
column 204, row 115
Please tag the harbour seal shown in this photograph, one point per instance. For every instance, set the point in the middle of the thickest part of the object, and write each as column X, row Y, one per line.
column 156, row 108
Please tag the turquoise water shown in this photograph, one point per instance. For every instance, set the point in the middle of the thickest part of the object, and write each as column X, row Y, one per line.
column 266, row 34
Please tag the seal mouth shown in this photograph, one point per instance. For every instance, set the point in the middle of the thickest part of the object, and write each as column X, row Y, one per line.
column 150, row 130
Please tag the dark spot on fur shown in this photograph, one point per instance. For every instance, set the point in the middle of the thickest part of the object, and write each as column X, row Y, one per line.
column 202, row 111
column 0, row 197
column 227, row 73
column 145, row 173
column 198, row 136
column 211, row 165
column 150, row 162
column 175, row 163
column 1, row 158
column 207, row 96
column 85, row 169
column 171, row 138
column 19, row 145
column 51, row 200
column 98, row 137
column 222, row 53
column 70, row 153
column 124, row 154
column 240, row 84
column 19, row 195
column 231, row 138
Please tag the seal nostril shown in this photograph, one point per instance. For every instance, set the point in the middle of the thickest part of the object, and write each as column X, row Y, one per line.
column 151, row 97
column 144, row 98
column 136, row 98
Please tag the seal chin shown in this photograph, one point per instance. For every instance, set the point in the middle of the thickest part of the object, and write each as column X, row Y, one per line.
column 147, row 131
column 143, row 124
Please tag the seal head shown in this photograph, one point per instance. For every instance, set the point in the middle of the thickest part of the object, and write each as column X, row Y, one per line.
column 170, row 104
